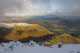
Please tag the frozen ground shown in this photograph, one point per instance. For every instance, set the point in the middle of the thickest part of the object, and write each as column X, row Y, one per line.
column 17, row 47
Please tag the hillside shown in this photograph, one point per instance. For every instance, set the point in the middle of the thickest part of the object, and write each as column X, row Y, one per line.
column 25, row 32
column 64, row 38
column 17, row 31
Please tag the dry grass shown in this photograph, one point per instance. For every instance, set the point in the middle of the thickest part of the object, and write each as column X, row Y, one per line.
column 65, row 38
column 25, row 31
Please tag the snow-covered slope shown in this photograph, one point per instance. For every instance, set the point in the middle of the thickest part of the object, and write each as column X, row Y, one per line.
column 17, row 47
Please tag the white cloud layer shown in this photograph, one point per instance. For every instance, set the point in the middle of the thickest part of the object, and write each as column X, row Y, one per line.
column 39, row 7
column 27, row 8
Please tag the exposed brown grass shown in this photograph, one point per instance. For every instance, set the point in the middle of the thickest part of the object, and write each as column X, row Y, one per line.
column 65, row 38
column 25, row 31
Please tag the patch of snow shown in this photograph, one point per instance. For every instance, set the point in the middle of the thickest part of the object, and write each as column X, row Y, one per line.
column 18, row 47
column 14, row 24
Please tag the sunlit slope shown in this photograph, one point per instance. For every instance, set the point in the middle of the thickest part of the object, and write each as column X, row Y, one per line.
column 65, row 38
column 23, row 30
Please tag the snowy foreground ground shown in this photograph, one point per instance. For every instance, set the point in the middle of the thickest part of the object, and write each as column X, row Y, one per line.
column 17, row 47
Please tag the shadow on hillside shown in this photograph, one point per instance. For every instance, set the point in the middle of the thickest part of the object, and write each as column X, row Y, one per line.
column 35, row 39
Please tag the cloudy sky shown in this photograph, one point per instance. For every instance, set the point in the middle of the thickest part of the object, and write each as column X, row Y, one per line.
column 39, row 7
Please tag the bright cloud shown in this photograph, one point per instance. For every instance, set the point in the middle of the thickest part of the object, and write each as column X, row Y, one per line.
column 39, row 7
column 28, row 8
